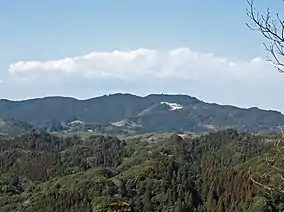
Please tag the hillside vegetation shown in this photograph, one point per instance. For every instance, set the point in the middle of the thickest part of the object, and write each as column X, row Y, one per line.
column 147, row 172
column 126, row 113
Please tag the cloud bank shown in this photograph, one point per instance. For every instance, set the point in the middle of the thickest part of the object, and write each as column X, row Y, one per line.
column 207, row 76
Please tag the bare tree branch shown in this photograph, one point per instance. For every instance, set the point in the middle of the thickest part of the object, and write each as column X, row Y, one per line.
column 273, row 30
column 272, row 177
column 258, row 183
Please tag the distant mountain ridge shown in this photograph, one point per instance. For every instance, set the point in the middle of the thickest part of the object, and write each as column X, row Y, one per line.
column 155, row 112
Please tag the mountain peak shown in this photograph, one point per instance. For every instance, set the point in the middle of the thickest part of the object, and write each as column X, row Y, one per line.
column 151, row 113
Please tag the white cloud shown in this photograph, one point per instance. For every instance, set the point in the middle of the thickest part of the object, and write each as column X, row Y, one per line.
column 142, row 71
column 175, row 63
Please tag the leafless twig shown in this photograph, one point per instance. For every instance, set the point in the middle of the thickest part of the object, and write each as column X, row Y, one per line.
column 273, row 30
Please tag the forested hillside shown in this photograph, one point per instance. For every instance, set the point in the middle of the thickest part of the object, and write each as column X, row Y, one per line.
column 147, row 172
column 125, row 113
column 14, row 126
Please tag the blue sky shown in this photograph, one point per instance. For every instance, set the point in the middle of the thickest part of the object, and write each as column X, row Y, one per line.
column 33, row 29
column 42, row 31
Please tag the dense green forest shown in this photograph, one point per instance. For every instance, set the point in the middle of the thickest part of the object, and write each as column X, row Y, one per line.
column 147, row 172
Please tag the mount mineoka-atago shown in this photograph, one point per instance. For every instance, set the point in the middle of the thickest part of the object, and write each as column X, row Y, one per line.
column 124, row 112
